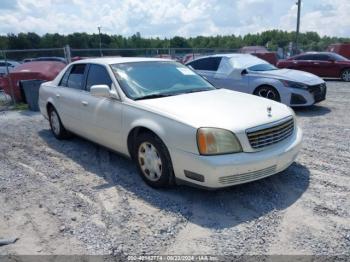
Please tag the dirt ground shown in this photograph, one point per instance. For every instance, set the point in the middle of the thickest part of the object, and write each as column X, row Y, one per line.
column 74, row 197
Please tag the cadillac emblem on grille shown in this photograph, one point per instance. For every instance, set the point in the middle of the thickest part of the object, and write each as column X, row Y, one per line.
column 269, row 111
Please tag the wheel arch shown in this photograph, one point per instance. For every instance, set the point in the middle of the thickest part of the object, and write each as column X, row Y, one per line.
column 139, row 128
column 49, row 104
column 265, row 84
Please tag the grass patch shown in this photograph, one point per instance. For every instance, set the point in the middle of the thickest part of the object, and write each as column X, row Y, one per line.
column 20, row 106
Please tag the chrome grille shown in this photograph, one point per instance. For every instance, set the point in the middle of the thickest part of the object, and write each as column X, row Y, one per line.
column 268, row 136
column 247, row 177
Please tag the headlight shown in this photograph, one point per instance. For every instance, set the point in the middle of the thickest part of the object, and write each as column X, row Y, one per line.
column 215, row 141
column 292, row 84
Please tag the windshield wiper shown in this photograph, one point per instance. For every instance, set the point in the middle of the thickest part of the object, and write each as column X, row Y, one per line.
column 152, row 96
column 195, row 90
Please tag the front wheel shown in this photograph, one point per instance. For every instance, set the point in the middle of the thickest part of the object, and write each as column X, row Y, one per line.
column 153, row 161
column 345, row 75
column 268, row 92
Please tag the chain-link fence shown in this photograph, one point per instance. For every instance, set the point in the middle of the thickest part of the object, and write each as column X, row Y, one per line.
column 173, row 53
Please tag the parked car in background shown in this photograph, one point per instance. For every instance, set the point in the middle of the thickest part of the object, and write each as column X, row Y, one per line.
column 8, row 64
column 38, row 70
column 26, row 60
column 172, row 122
column 51, row 58
column 342, row 49
column 252, row 75
column 45, row 58
column 324, row 64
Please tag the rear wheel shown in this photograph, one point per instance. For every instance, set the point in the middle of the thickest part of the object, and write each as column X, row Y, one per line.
column 153, row 161
column 268, row 92
column 345, row 75
column 57, row 128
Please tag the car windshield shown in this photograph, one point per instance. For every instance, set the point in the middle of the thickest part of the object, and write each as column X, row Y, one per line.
column 262, row 67
column 152, row 79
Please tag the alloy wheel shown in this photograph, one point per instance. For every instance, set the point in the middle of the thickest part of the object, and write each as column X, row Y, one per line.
column 268, row 93
column 346, row 75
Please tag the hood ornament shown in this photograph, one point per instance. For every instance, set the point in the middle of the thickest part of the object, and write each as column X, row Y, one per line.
column 269, row 111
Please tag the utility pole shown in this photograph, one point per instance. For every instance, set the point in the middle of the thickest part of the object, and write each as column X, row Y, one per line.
column 298, row 26
column 99, row 34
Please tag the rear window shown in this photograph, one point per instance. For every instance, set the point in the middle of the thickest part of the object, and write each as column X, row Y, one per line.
column 208, row 64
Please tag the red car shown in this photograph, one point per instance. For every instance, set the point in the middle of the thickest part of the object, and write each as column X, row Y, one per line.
column 324, row 64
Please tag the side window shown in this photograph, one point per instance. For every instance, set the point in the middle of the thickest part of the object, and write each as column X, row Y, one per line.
column 209, row 64
column 64, row 80
column 97, row 75
column 323, row 57
column 2, row 64
column 76, row 76
column 303, row 57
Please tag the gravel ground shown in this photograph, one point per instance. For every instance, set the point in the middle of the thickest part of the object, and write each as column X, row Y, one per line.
column 74, row 197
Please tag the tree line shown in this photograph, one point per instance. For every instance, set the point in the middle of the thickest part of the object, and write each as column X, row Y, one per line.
column 272, row 39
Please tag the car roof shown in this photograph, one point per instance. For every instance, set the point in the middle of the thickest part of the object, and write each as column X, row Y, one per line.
column 230, row 55
column 119, row 60
column 316, row 53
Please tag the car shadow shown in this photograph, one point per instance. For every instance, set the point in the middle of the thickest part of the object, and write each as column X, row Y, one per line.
column 312, row 111
column 218, row 209
column 333, row 80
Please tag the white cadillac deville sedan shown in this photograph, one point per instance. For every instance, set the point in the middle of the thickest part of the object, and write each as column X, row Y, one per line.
column 175, row 125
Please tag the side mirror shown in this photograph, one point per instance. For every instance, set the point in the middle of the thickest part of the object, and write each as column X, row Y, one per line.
column 238, row 73
column 100, row 91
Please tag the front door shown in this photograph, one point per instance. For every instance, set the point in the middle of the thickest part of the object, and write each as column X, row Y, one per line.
column 103, row 116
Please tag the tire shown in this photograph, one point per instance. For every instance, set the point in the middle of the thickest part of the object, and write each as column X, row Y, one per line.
column 56, row 125
column 345, row 75
column 268, row 92
column 153, row 161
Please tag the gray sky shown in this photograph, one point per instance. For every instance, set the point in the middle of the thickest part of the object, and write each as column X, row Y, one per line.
column 167, row 18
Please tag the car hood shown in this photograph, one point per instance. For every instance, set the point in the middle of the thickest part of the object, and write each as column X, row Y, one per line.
column 292, row 75
column 220, row 108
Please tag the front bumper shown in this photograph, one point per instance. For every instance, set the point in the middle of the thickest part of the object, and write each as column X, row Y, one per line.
column 306, row 97
column 232, row 169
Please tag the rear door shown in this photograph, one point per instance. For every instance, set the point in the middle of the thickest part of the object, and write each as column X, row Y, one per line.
column 102, row 116
column 68, row 98
column 231, row 78
column 302, row 62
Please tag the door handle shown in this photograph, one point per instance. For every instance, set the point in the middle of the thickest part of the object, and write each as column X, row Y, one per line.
column 84, row 103
column 316, row 63
column 58, row 95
